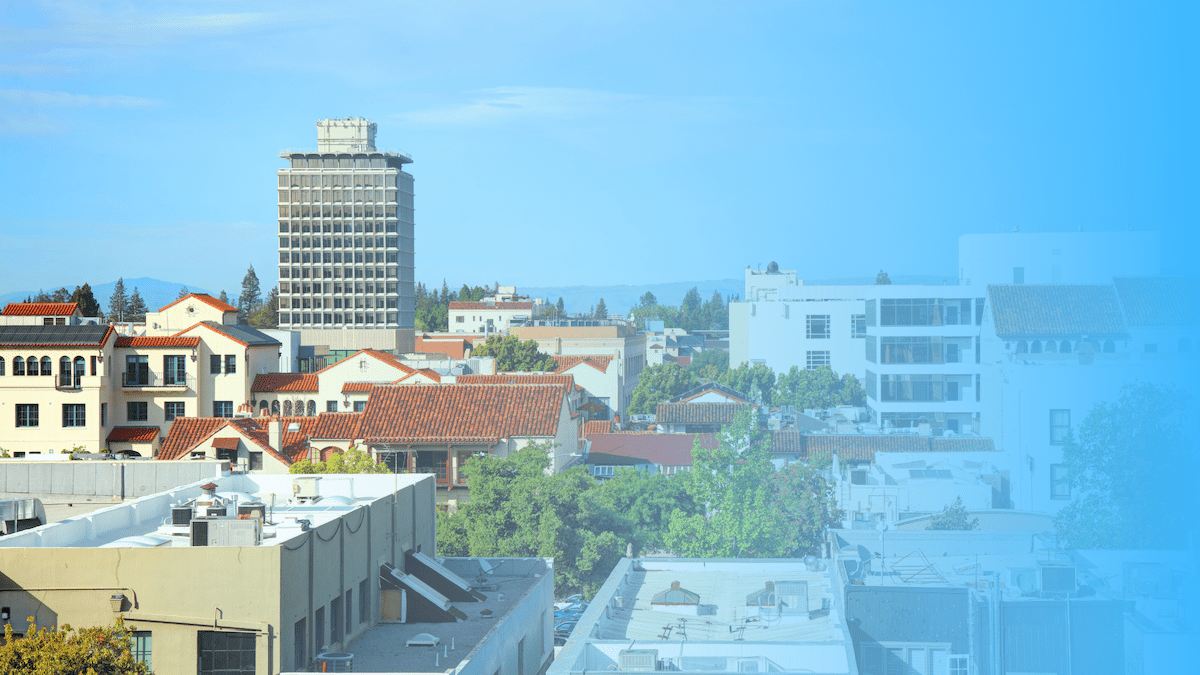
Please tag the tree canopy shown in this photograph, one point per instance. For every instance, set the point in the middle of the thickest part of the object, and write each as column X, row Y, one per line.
column 657, row 384
column 953, row 517
column 117, row 302
column 692, row 314
column 352, row 460
column 514, row 355
column 88, row 305
column 817, row 389
column 882, row 279
column 251, row 296
column 135, row 310
column 601, row 310
column 1131, row 466
column 106, row 650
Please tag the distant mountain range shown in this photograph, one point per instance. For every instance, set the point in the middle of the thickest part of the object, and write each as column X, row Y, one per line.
column 156, row 292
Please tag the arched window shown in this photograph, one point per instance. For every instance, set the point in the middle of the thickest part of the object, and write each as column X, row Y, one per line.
column 1185, row 345
column 1109, row 347
column 47, row 368
column 263, row 407
column 274, row 407
column 1022, row 347
column 64, row 372
column 18, row 365
column 312, row 408
column 1, row 365
column 1051, row 347
column 79, row 370
column 1065, row 347
column 1036, row 347
column 31, row 366
column 287, row 408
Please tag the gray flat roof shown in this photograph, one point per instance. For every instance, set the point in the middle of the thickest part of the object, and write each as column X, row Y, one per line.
column 83, row 336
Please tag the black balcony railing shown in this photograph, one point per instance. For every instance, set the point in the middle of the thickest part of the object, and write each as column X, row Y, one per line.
column 131, row 380
column 66, row 382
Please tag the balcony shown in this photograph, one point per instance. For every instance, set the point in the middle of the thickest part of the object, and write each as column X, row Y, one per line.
column 68, row 383
column 146, row 380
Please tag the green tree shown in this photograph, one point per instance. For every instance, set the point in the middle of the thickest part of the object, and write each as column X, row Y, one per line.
column 818, row 388
column 647, row 300
column 714, row 314
column 267, row 314
column 135, row 311
column 1131, row 466
column 352, row 460
column 709, row 365
column 882, row 279
column 106, row 650
column 223, row 297
column 690, row 310
column 953, row 517
column 88, row 306
column 657, row 384
column 117, row 302
column 757, row 382
column 638, row 505
column 61, row 295
column 184, row 292
column 560, row 309
column 42, row 296
column 251, row 296
column 601, row 310
column 513, row 355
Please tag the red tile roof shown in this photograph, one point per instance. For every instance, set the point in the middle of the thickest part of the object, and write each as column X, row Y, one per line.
column 453, row 348
column 225, row 443
column 567, row 382
column 133, row 434
column 493, row 305
column 359, row 387
column 698, row 413
column 206, row 299
column 596, row 361
column 338, row 425
column 285, row 382
column 188, row 433
column 431, row 374
column 40, row 308
column 464, row 413
column 664, row 449
column 143, row 342
column 594, row 427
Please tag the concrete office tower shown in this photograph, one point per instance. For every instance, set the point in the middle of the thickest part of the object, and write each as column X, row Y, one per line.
column 346, row 240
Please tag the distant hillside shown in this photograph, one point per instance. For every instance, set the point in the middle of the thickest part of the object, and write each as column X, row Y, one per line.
column 156, row 292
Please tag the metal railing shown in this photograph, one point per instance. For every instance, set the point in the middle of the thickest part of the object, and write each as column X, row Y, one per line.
column 140, row 380
column 67, row 382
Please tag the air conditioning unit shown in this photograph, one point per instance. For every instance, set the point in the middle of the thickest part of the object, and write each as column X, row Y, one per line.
column 1056, row 579
column 226, row 532
column 641, row 660
column 306, row 487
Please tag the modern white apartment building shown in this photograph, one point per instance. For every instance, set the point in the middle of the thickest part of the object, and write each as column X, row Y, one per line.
column 346, row 238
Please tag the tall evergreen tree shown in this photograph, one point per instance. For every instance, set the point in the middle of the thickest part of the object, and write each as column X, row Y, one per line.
column 183, row 293
column 224, row 297
column 61, row 295
column 251, row 296
column 42, row 296
column 445, row 298
column 118, row 301
column 88, row 306
column 135, row 311
column 267, row 314
column 601, row 310
column 560, row 309
column 882, row 279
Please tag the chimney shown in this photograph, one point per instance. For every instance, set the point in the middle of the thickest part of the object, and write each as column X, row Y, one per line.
column 275, row 433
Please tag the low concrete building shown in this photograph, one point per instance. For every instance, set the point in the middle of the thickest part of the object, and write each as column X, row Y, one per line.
column 713, row 615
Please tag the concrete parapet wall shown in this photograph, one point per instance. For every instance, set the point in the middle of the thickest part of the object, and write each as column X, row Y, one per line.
column 126, row 480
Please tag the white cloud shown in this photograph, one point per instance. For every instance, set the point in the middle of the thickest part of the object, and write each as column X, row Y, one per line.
column 82, row 24
column 511, row 103
column 64, row 99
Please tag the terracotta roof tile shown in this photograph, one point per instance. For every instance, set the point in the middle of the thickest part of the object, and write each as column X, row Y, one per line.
column 495, row 305
column 338, row 425
column 359, row 387
column 593, row 427
column 285, row 382
column 664, row 449
column 567, row 382
column 454, row 349
column 732, row 395
column 40, row 308
column 133, row 434
column 143, row 342
column 566, row 362
column 1057, row 309
column 188, row 433
column 698, row 413
column 421, row 413
column 1157, row 301
column 206, row 299
column 389, row 359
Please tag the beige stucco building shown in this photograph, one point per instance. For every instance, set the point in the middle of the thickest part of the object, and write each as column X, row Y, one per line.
column 617, row 339
column 314, row 566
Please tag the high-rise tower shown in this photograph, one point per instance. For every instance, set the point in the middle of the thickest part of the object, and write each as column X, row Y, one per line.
column 345, row 233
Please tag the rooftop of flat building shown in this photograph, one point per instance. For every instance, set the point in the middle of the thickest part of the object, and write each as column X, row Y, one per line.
column 384, row 649
column 148, row 522
column 714, row 615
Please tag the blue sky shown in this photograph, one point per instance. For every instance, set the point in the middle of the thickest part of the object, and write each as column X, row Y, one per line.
column 577, row 143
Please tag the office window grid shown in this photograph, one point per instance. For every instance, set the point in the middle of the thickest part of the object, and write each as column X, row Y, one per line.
column 816, row 359
column 817, row 326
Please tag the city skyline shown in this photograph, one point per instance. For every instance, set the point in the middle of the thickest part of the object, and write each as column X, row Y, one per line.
column 692, row 141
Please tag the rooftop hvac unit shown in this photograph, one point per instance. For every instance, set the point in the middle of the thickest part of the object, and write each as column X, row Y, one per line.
column 642, row 660
column 791, row 597
column 225, row 532
column 255, row 510
column 1057, row 579
column 306, row 487
column 335, row 662
column 181, row 515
